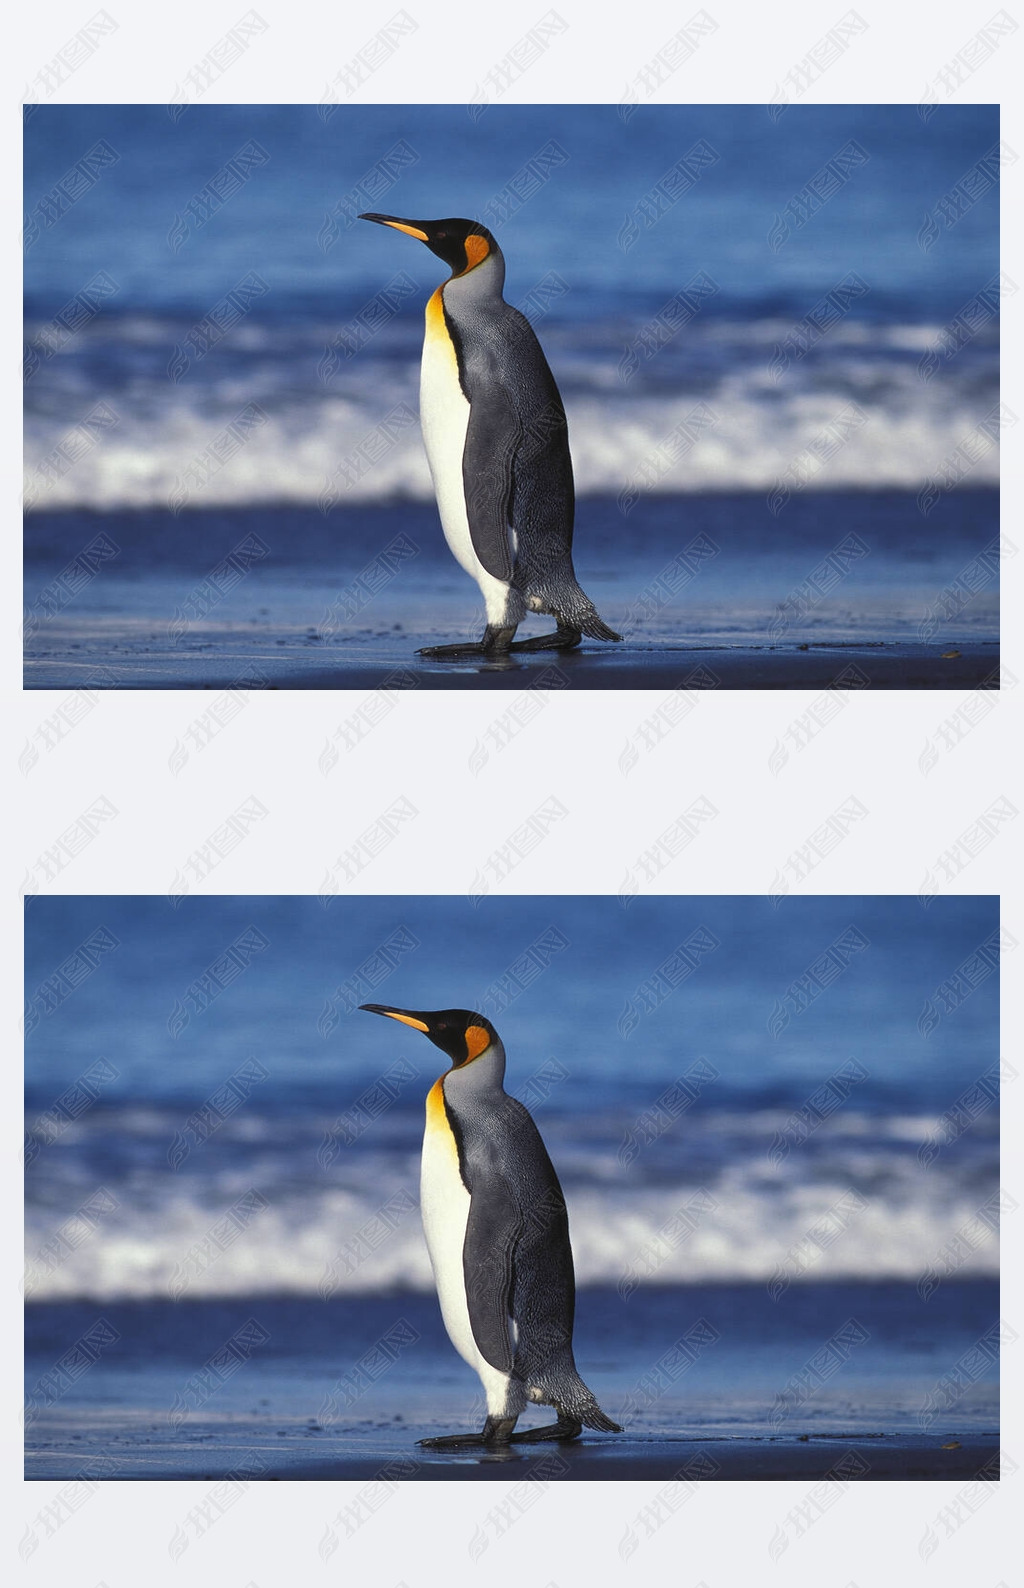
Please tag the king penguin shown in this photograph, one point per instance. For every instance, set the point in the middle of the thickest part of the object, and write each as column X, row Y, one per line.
column 496, row 1228
column 498, row 447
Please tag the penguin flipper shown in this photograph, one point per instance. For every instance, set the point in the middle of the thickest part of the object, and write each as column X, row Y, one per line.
column 488, row 1252
column 492, row 438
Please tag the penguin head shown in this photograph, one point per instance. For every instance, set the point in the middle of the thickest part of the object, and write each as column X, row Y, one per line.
column 461, row 244
column 460, row 1033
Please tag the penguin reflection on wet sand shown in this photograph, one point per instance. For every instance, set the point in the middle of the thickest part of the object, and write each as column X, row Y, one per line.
column 497, row 444
column 496, row 1228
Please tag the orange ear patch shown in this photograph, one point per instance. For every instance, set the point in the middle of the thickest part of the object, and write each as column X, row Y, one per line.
column 477, row 248
column 477, row 1039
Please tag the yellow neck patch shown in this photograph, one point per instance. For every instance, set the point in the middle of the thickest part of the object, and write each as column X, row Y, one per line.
column 435, row 316
column 438, row 337
column 477, row 1039
column 438, row 1128
column 436, row 1116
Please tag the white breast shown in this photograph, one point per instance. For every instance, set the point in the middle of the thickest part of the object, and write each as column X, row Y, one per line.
column 444, row 1202
column 444, row 419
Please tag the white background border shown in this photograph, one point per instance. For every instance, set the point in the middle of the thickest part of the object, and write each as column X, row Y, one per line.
column 421, row 751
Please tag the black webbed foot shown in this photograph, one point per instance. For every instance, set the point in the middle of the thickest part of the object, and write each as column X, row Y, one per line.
column 496, row 642
column 454, row 653
column 563, row 639
column 496, row 1431
column 565, row 1429
column 455, row 1442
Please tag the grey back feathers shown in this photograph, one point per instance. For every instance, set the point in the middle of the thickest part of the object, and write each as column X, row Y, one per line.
column 517, row 1258
column 517, row 469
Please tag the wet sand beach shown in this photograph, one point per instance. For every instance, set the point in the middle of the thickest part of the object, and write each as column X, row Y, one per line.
column 846, row 1381
column 841, row 590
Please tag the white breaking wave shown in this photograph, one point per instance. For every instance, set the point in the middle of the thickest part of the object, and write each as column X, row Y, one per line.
column 173, row 460
column 338, row 1242
column 861, row 410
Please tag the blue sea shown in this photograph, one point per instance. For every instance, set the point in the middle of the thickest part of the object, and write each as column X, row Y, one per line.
column 787, row 317
column 267, row 196
column 731, row 1093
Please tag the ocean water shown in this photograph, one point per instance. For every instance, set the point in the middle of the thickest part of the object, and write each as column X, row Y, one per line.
column 248, row 341
column 730, row 1093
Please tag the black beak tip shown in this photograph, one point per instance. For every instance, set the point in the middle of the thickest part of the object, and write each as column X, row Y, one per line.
column 374, row 1009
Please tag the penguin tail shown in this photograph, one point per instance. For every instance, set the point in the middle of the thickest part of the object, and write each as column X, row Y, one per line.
column 560, row 594
column 580, row 611
column 573, row 1396
column 596, row 629
column 594, row 1417
column 558, row 1383
column 575, row 608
